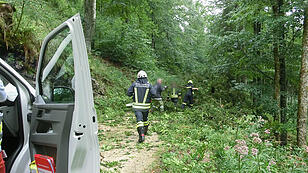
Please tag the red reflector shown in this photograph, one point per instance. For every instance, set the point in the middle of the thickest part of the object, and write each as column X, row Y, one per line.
column 2, row 165
column 45, row 164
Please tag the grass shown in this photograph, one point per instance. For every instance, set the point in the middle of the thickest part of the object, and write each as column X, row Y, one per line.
column 111, row 164
column 128, row 133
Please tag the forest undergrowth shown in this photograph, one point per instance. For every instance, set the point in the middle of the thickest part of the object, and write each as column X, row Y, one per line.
column 210, row 137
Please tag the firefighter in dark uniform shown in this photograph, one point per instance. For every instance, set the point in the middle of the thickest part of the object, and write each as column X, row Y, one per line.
column 188, row 99
column 142, row 92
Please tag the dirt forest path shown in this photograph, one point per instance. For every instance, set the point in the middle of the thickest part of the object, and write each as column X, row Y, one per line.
column 120, row 151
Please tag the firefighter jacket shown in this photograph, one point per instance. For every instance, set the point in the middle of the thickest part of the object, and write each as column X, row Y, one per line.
column 174, row 93
column 142, row 92
column 189, row 88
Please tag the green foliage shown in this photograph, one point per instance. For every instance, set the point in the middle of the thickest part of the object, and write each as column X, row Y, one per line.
column 31, row 22
column 40, row 17
column 152, row 34
column 126, row 43
column 196, row 142
column 109, row 100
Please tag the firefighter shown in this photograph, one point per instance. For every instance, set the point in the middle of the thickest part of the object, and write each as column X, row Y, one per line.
column 188, row 99
column 142, row 92
column 175, row 94
column 158, row 90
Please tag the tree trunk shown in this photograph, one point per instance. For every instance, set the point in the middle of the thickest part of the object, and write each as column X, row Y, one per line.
column 303, row 89
column 277, row 65
column 283, row 99
column 283, row 79
column 89, row 20
column 257, row 30
column 276, row 78
column 277, row 72
column 280, row 68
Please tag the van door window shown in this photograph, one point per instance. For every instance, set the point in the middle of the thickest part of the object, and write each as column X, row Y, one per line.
column 57, row 77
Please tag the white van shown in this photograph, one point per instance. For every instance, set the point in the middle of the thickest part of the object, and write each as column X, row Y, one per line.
column 58, row 118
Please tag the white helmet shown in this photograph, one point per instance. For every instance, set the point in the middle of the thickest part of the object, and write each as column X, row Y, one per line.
column 142, row 74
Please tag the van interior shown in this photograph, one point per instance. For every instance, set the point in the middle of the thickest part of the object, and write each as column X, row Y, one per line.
column 12, row 131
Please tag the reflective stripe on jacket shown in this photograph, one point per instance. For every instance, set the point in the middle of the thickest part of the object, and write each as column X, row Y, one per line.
column 174, row 94
column 189, row 88
column 143, row 105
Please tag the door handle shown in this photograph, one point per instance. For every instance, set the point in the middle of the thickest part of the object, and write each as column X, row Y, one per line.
column 40, row 113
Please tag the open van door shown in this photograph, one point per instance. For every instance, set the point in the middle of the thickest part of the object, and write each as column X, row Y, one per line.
column 63, row 123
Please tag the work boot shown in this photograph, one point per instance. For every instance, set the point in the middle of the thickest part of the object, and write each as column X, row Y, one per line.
column 183, row 106
column 141, row 134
